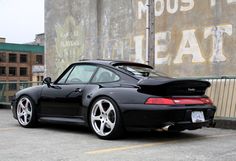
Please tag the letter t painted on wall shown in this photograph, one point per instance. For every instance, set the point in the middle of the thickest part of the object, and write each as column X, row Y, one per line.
column 217, row 33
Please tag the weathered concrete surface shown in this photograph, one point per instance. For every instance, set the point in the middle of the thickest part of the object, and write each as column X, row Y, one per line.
column 87, row 29
column 201, row 38
column 71, row 33
column 193, row 37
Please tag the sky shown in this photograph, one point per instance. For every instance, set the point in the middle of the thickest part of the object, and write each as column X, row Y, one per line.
column 21, row 20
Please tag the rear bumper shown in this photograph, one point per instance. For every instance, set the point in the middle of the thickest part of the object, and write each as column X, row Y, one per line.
column 157, row 116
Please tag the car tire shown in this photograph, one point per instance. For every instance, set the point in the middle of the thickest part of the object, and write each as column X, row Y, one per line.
column 105, row 119
column 25, row 112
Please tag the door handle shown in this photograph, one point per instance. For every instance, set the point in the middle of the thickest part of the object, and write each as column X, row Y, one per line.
column 78, row 90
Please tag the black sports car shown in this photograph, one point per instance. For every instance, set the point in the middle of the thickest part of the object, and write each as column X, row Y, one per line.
column 112, row 96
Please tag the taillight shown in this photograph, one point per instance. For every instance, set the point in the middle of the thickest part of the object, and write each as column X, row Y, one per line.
column 159, row 101
column 207, row 101
column 178, row 101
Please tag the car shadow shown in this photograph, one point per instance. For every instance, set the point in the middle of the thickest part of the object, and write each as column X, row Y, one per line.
column 4, row 107
column 145, row 137
column 160, row 136
column 131, row 136
column 65, row 128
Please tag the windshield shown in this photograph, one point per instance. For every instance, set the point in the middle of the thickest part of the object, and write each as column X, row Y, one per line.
column 141, row 71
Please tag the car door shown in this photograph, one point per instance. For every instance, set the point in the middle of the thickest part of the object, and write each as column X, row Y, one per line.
column 64, row 97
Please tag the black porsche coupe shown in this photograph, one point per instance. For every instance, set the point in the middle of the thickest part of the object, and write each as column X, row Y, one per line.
column 112, row 96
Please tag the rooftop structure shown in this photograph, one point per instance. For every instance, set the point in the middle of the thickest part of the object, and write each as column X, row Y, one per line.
column 21, row 48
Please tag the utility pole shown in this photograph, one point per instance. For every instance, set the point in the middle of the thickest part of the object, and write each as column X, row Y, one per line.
column 150, row 33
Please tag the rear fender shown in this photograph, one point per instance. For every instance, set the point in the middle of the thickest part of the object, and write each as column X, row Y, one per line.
column 118, row 95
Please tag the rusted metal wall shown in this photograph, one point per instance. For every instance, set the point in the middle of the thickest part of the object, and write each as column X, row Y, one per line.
column 192, row 37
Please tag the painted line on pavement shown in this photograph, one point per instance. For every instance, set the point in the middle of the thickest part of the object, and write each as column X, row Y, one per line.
column 131, row 147
column 8, row 129
column 128, row 147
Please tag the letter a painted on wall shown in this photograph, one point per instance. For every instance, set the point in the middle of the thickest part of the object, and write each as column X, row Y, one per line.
column 189, row 46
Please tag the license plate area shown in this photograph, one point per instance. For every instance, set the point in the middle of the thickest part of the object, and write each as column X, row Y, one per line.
column 197, row 116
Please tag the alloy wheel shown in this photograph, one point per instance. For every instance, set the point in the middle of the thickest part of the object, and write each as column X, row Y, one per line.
column 103, row 117
column 24, row 111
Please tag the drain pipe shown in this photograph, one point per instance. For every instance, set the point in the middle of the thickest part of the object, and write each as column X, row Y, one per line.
column 150, row 33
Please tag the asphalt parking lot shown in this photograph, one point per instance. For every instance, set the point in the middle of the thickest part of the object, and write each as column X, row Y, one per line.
column 50, row 142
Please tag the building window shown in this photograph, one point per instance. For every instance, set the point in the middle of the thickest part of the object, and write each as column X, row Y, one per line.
column 39, row 59
column 12, row 86
column 23, row 58
column 2, row 71
column 12, row 58
column 12, row 71
column 23, row 71
column 39, row 78
column 3, row 57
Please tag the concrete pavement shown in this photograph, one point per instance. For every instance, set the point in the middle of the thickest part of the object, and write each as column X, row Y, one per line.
column 50, row 142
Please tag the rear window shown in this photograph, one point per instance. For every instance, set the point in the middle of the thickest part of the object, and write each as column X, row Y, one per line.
column 141, row 71
column 103, row 75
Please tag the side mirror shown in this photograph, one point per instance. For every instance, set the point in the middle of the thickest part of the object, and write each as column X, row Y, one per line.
column 48, row 81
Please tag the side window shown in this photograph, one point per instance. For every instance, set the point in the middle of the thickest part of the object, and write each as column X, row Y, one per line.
column 81, row 74
column 63, row 79
column 104, row 75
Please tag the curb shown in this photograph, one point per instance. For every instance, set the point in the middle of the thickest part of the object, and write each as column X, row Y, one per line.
column 225, row 123
column 5, row 106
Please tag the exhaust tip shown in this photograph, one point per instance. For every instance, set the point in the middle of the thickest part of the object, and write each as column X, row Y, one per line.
column 166, row 127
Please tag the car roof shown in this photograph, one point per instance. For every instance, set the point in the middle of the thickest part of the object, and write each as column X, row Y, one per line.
column 112, row 62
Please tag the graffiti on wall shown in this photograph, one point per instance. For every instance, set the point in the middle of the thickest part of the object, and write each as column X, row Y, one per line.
column 69, row 43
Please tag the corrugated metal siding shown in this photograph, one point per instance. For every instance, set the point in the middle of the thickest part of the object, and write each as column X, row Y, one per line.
column 223, row 94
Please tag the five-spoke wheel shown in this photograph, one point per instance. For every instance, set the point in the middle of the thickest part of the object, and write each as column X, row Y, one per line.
column 25, row 113
column 105, row 119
